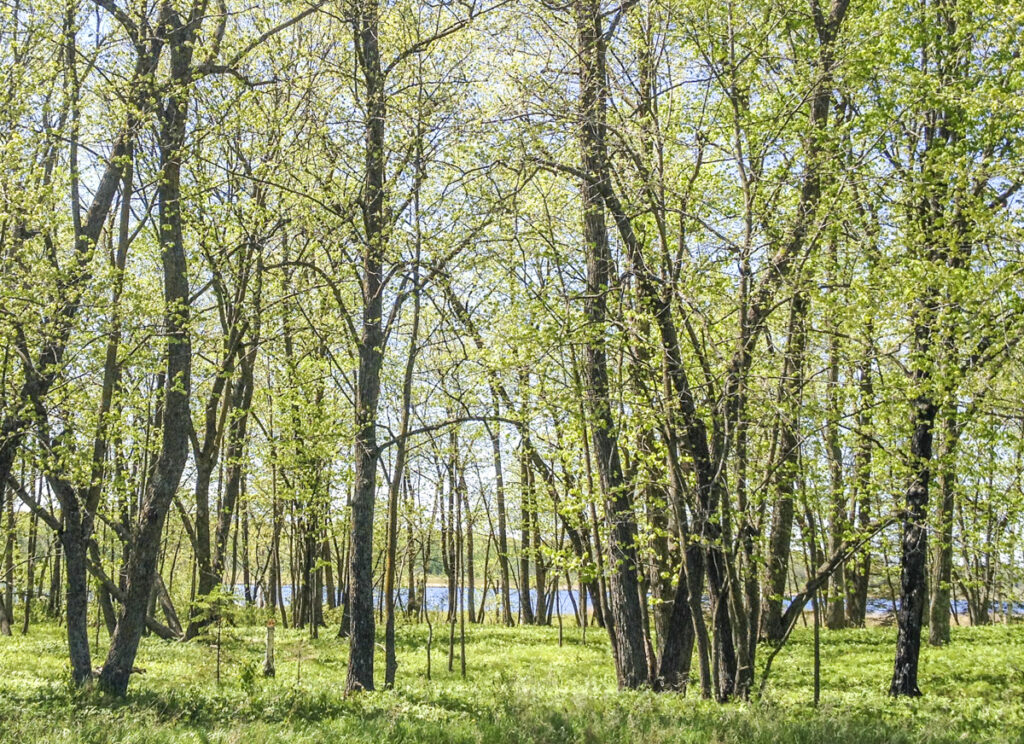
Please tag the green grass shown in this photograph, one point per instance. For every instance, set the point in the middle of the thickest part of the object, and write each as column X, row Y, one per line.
column 520, row 687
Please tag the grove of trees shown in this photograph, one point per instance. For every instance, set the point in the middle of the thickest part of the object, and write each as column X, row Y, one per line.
column 707, row 313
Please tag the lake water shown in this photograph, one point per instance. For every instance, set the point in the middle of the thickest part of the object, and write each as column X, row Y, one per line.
column 437, row 601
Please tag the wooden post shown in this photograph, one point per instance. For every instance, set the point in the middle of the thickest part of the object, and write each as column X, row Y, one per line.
column 817, row 649
column 220, row 621
column 268, row 660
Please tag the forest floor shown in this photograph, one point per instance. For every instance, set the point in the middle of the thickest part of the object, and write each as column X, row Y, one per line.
column 520, row 686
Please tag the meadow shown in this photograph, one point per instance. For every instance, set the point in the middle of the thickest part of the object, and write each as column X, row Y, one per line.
column 520, row 686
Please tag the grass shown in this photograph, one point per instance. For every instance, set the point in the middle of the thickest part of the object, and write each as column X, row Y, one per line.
column 520, row 687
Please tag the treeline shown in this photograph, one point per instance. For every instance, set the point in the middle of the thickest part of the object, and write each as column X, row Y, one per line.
column 707, row 312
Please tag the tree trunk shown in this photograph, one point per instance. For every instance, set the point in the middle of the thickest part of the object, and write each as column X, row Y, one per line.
column 77, row 602
column 207, row 580
column 915, row 533
column 681, row 625
column 10, row 533
column 942, row 560
column 330, row 590
column 526, row 539
column 145, row 536
column 397, row 478
column 835, row 613
column 53, row 600
column 858, row 569
column 470, row 570
column 675, row 642
column 624, row 593
column 499, row 485
column 371, row 354
column 540, row 615
column 30, row 566
column 248, row 593
column 777, row 561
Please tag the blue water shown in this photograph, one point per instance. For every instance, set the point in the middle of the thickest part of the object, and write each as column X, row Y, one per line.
column 437, row 601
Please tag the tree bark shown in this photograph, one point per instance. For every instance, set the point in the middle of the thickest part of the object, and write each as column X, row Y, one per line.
column 777, row 560
column 942, row 560
column 7, row 600
column 499, row 485
column 397, row 478
column 30, row 565
column 145, row 535
column 525, row 498
column 624, row 595
column 858, row 570
column 915, row 532
column 835, row 611
column 371, row 353
column 77, row 600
